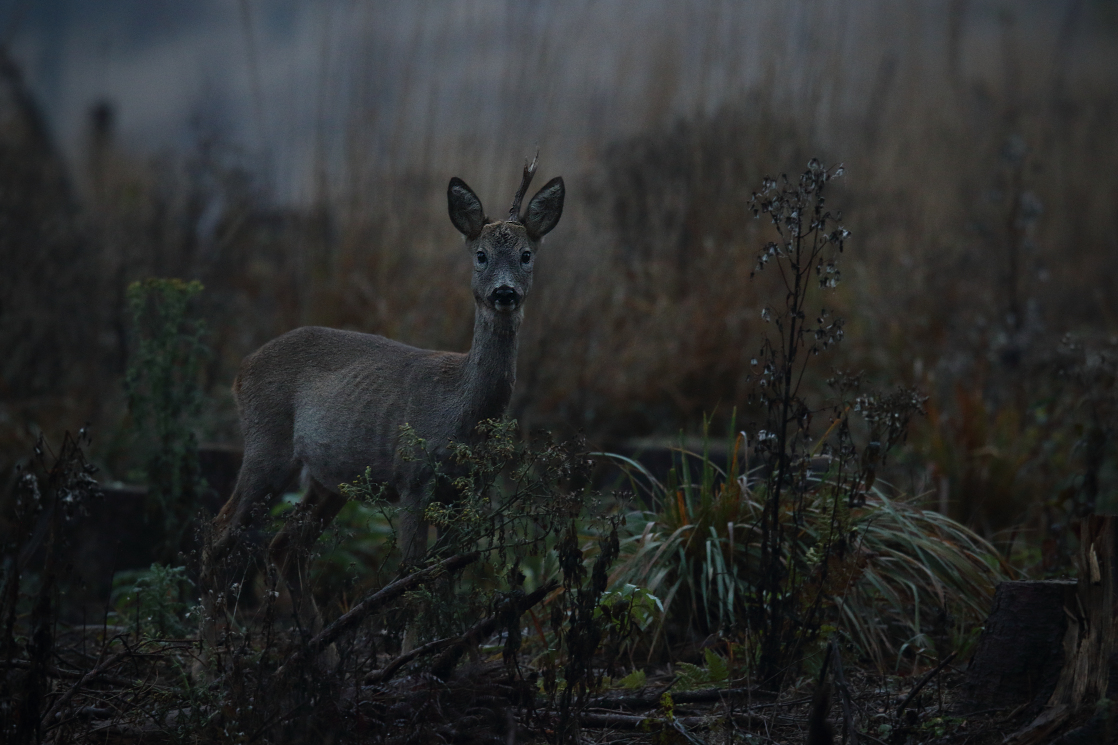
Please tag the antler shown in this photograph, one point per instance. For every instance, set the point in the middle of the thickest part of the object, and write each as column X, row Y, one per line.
column 529, row 172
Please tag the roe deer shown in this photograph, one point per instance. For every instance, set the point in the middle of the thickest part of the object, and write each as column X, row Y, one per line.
column 331, row 403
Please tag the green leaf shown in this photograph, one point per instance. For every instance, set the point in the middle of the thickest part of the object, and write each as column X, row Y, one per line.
column 633, row 680
column 691, row 676
column 717, row 669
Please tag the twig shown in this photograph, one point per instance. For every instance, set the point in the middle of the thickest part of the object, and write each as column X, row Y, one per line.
column 844, row 694
column 476, row 634
column 375, row 602
column 705, row 695
column 924, row 681
column 445, row 662
column 632, row 721
column 57, row 672
column 388, row 671
column 602, row 720
column 61, row 703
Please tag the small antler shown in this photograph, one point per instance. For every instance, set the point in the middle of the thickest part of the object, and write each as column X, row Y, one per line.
column 529, row 172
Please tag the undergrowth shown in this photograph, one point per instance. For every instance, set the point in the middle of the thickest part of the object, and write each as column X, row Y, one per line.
column 539, row 595
column 531, row 545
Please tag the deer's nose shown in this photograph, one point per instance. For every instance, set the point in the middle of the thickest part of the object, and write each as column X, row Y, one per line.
column 505, row 298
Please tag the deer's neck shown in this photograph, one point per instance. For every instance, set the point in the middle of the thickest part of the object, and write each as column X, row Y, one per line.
column 490, row 371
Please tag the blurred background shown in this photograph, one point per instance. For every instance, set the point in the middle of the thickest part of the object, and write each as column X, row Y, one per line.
column 293, row 157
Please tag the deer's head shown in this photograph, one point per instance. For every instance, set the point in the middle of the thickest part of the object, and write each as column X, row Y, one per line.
column 504, row 251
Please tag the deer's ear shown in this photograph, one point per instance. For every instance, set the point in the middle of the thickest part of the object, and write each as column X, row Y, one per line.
column 465, row 208
column 545, row 209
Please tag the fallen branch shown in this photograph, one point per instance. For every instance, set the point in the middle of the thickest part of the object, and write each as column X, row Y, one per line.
column 61, row 704
column 923, row 682
column 140, row 733
column 388, row 671
column 373, row 603
column 703, row 696
column 446, row 662
column 57, row 672
column 633, row 721
column 606, row 720
column 475, row 635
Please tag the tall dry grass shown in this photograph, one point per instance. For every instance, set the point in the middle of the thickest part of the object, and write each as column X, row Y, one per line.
column 955, row 123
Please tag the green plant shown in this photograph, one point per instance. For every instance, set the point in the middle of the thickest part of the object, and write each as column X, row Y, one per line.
column 633, row 680
column 910, row 581
column 154, row 602
column 165, row 399
column 716, row 672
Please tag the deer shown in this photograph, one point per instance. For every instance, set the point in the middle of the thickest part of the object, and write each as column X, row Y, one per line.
column 331, row 404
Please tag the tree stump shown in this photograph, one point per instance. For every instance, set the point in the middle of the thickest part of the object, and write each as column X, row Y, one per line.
column 1021, row 650
column 1088, row 641
column 1090, row 635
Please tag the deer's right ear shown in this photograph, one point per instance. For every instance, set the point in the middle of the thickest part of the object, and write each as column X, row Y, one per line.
column 465, row 208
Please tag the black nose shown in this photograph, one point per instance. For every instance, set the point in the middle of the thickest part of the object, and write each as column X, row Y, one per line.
column 505, row 296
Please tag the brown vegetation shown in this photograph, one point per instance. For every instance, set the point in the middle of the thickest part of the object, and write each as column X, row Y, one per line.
column 980, row 192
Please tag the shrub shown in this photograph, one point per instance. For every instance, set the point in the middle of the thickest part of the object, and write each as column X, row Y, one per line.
column 165, row 399
column 154, row 602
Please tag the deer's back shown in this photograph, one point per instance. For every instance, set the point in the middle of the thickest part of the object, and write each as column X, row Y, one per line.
column 337, row 399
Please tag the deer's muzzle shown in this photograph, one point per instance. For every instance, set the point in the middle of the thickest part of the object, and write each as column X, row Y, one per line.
column 505, row 298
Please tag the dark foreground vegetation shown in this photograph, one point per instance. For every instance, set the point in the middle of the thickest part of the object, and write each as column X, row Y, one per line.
column 826, row 486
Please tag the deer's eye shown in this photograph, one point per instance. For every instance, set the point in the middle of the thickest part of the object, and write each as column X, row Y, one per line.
column 526, row 257
column 481, row 258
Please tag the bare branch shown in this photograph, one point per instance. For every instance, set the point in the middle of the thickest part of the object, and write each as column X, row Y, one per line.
column 375, row 602
column 92, row 674
column 388, row 671
column 445, row 662
column 923, row 682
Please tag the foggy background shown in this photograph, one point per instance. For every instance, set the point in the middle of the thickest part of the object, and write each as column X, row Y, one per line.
column 294, row 158
column 349, row 87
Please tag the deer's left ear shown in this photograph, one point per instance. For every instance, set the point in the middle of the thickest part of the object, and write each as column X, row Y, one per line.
column 545, row 209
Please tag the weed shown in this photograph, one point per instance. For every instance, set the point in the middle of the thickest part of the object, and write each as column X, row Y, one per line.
column 153, row 602
column 716, row 672
column 810, row 240
column 165, row 400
